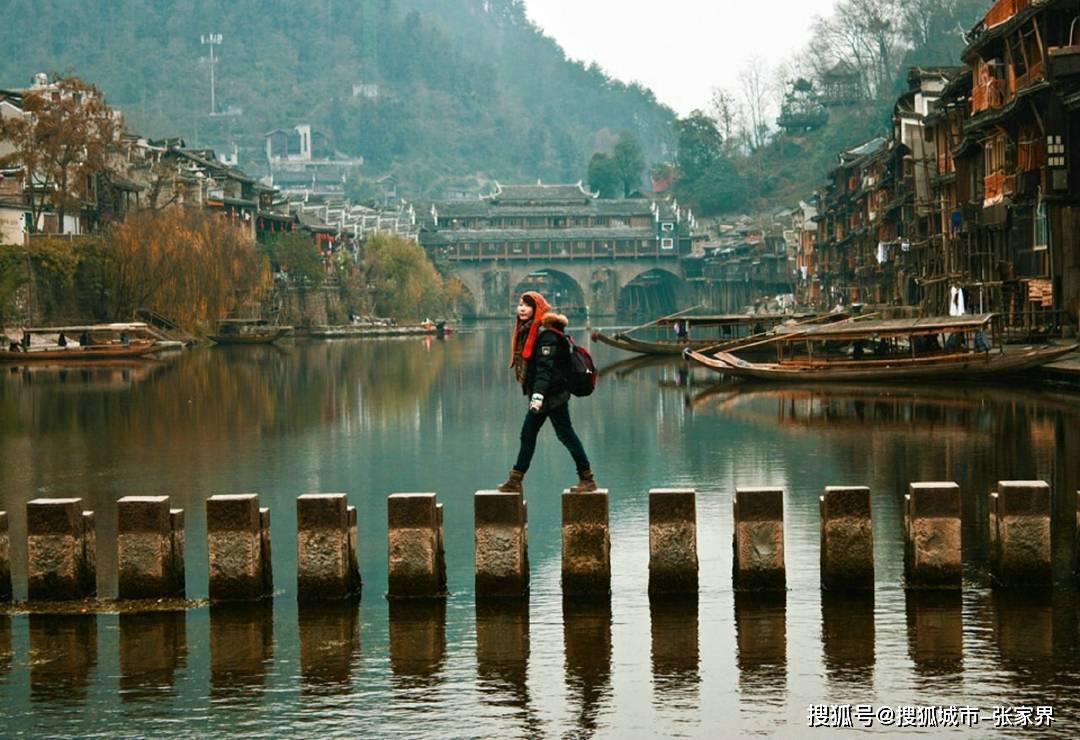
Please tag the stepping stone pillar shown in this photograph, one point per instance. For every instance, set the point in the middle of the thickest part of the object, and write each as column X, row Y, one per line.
column 932, row 536
column 758, row 540
column 416, row 561
column 1020, row 533
column 238, row 545
column 326, row 566
column 5, row 558
column 847, row 539
column 586, row 545
column 673, row 557
column 150, row 555
column 501, row 549
column 60, row 556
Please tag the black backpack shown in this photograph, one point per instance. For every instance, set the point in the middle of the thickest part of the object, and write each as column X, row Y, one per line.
column 582, row 376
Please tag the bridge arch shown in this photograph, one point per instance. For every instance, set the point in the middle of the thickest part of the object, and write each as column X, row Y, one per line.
column 563, row 290
column 653, row 292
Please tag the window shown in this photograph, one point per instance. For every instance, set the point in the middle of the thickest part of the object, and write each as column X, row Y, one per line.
column 1042, row 229
column 667, row 226
column 667, row 243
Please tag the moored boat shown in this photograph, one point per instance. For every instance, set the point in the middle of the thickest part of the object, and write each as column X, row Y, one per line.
column 891, row 350
column 82, row 343
column 248, row 331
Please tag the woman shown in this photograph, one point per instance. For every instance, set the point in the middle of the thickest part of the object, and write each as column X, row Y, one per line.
column 541, row 361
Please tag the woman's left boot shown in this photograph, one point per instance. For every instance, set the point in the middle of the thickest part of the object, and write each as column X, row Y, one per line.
column 513, row 483
column 586, row 483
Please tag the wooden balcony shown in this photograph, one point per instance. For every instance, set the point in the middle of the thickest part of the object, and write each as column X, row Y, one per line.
column 986, row 95
column 1002, row 11
column 996, row 186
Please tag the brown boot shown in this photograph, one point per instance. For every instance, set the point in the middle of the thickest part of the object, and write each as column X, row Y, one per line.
column 513, row 483
column 586, row 483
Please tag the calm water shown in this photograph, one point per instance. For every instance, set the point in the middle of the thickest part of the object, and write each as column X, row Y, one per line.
column 372, row 418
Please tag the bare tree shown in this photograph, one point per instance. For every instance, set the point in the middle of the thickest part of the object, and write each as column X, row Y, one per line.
column 756, row 88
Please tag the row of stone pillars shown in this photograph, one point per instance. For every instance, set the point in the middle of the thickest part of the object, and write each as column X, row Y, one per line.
column 150, row 543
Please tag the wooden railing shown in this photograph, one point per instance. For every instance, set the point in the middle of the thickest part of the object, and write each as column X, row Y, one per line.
column 987, row 94
column 996, row 186
column 1034, row 74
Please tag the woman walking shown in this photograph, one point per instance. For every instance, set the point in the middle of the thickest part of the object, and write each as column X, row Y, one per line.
column 541, row 362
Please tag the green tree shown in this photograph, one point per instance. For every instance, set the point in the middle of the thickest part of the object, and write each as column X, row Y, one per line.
column 403, row 281
column 707, row 177
column 296, row 254
column 604, row 175
column 630, row 161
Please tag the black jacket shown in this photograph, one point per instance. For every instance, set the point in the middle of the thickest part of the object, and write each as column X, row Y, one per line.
column 548, row 368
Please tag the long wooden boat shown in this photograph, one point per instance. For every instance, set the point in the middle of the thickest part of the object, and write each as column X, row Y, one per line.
column 136, row 348
column 892, row 364
column 247, row 331
column 733, row 331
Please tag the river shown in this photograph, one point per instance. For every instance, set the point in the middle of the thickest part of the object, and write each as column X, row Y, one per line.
column 370, row 418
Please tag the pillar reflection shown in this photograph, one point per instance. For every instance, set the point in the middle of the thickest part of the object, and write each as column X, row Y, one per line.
column 5, row 643
column 502, row 655
column 587, row 642
column 63, row 653
column 329, row 645
column 417, row 641
column 675, row 651
column 241, row 647
column 935, row 631
column 761, row 643
column 847, row 639
column 152, row 646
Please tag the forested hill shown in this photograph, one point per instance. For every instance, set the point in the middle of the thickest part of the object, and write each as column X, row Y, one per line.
column 465, row 87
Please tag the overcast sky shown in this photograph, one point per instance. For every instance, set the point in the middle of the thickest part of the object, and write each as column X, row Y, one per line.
column 680, row 49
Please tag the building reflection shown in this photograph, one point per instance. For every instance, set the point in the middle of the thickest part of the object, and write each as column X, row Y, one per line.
column 152, row 646
column 417, row 641
column 847, row 639
column 935, row 632
column 502, row 656
column 675, row 652
column 761, row 644
column 587, row 642
column 329, row 645
column 63, row 653
column 241, row 647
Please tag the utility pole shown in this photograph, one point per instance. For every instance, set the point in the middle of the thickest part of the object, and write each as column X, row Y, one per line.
column 212, row 40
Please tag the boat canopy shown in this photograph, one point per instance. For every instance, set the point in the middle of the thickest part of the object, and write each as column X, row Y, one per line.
column 735, row 319
column 854, row 330
column 131, row 326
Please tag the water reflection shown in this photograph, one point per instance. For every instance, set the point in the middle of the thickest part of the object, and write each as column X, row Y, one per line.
column 587, row 642
column 675, row 653
column 847, row 640
column 5, row 643
column 935, row 632
column 502, row 656
column 417, row 641
column 329, row 645
column 761, row 644
column 241, row 647
column 152, row 647
column 63, row 654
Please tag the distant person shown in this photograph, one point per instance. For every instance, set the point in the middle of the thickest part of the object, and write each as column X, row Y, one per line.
column 61, row 341
column 26, row 340
column 682, row 330
column 541, row 361
column 15, row 347
column 84, row 339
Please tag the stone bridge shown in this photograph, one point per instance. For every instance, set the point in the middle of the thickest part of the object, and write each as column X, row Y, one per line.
column 494, row 284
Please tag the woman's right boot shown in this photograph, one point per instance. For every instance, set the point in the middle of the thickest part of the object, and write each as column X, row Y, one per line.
column 513, row 483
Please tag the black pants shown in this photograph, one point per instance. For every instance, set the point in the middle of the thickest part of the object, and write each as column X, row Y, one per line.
column 560, row 419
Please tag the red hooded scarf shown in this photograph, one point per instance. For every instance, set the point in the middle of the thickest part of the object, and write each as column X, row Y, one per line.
column 542, row 307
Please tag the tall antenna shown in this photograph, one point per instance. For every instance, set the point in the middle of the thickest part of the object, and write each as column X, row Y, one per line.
column 212, row 40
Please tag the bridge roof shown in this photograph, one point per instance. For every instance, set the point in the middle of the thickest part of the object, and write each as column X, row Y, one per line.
column 480, row 208
column 461, row 236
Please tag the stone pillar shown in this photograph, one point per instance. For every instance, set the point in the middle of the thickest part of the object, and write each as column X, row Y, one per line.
column 325, row 558
column 847, row 539
column 1020, row 533
column 501, row 550
column 176, row 524
column 238, row 540
column 932, row 536
column 673, row 558
column 88, row 569
column 416, row 563
column 5, row 558
column 586, row 547
column 759, row 540
column 264, row 550
column 57, row 550
column 146, row 554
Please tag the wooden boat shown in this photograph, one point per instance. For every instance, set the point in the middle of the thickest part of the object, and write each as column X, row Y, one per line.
column 82, row 343
column 247, row 331
column 732, row 331
column 810, row 354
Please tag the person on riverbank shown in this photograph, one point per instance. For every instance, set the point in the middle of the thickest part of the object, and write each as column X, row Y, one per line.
column 540, row 358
